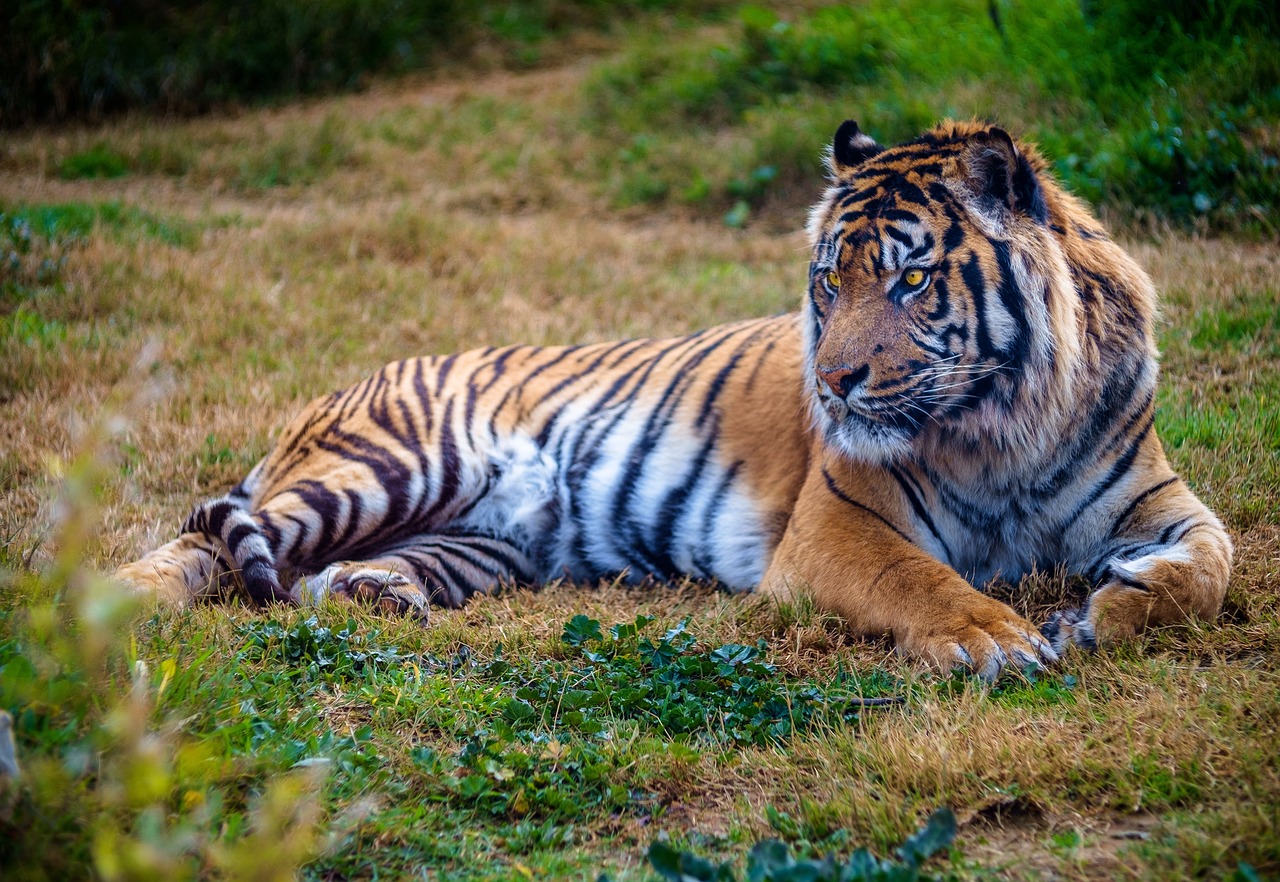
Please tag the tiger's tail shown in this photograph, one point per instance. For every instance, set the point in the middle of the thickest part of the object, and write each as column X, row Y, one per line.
column 228, row 520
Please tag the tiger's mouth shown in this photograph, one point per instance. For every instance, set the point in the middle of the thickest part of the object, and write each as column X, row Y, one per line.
column 898, row 412
column 870, row 435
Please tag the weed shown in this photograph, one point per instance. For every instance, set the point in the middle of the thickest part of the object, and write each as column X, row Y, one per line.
column 31, row 255
column 770, row 861
column 103, row 789
column 55, row 226
column 300, row 157
column 99, row 161
column 28, row 327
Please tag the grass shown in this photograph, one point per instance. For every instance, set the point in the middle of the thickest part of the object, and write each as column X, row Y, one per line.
column 241, row 266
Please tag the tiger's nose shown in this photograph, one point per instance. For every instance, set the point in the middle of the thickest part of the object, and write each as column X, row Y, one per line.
column 843, row 379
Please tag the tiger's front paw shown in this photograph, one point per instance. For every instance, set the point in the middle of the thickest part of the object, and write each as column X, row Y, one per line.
column 1069, row 627
column 983, row 636
column 1114, row 613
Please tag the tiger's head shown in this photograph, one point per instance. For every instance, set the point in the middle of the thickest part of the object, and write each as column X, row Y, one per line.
column 942, row 301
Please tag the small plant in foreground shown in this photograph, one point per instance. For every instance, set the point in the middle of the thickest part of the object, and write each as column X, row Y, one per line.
column 104, row 790
column 771, row 861
column 728, row 693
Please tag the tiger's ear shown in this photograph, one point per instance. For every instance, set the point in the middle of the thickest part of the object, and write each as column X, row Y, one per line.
column 850, row 148
column 1001, row 178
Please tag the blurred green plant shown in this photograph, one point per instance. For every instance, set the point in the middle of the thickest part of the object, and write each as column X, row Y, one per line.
column 106, row 788
column 771, row 861
column 31, row 255
column 99, row 161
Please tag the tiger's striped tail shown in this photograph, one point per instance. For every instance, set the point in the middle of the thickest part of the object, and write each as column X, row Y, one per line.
column 227, row 520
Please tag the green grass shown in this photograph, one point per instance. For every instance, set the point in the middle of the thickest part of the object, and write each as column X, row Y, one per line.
column 69, row 221
column 1230, row 402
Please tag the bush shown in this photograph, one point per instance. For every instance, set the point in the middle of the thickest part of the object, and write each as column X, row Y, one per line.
column 93, row 784
column 63, row 59
column 1163, row 109
column 60, row 58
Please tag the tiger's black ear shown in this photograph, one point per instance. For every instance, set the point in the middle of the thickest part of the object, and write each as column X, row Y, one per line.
column 851, row 148
column 1001, row 178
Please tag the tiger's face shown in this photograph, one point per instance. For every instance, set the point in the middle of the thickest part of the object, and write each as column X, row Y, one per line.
column 917, row 314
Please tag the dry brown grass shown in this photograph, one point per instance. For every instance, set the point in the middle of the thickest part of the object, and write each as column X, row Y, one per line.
column 464, row 213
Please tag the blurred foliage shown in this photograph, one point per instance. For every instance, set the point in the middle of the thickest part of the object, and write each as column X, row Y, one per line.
column 65, row 59
column 771, row 860
column 106, row 790
column 62, row 58
column 1168, row 109
column 32, row 255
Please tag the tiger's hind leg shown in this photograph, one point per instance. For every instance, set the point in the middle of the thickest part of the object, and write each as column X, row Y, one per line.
column 445, row 569
column 182, row 571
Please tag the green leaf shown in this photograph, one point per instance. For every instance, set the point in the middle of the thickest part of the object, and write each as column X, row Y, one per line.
column 1246, row 873
column 580, row 629
column 624, row 630
column 681, row 866
column 937, row 833
column 767, row 859
column 737, row 216
column 517, row 711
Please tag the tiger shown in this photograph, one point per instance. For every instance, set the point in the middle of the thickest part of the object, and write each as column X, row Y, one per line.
column 966, row 392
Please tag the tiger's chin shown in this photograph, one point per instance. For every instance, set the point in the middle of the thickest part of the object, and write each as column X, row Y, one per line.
column 862, row 438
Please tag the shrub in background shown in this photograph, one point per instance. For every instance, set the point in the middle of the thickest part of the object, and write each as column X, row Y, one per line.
column 1167, row 109
column 65, row 59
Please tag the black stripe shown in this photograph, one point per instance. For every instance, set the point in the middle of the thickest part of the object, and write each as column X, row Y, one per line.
column 1012, row 299
column 917, row 505
column 216, row 515
column 484, row 558
column 897, row 234
column 841, row 495
column 238, row 534
column 655, row 427
column 1124, row 516
column 976, row 281
column 463, row 585
column 525, row 379
column 1118, row 471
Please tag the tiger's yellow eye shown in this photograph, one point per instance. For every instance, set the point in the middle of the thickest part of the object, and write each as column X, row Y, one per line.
column 833, row 279
column 913, row 277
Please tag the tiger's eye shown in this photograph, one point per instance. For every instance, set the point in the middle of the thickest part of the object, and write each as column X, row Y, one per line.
column 913, row 277
column 833, row 279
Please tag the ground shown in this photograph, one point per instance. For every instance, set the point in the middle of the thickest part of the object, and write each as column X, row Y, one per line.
column 270, row 256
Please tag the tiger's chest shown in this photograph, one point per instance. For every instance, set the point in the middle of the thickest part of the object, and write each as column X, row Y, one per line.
column 988, row 535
